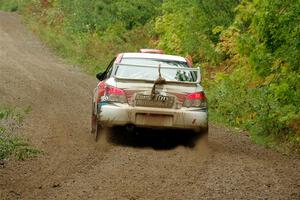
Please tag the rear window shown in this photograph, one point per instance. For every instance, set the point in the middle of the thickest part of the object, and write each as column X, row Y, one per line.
column 147, row 73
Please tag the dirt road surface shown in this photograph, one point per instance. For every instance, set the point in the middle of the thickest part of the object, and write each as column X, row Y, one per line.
column 73, row 166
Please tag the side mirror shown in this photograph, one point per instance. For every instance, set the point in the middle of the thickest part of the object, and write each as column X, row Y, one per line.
column 101, row 76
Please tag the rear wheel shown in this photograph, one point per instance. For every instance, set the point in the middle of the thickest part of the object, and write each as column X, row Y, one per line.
column 93, row 119
column 96, row 127
column 93, row 124
column 98, row 131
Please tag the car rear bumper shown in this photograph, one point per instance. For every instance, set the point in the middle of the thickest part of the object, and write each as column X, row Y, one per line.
column 122, row 114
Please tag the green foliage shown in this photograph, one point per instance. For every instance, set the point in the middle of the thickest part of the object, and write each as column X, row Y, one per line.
column 101, row 15
column 13, row 146
column 7, row 5
column 186, row 27
column 12, row 5
column 92, row 32
column 262, row 92
column 272, row 34
column 10, row 144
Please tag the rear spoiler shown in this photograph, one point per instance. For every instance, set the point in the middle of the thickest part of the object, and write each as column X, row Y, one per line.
column 197, row 70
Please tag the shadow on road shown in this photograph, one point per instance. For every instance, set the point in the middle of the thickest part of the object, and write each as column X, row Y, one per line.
column 152, row 138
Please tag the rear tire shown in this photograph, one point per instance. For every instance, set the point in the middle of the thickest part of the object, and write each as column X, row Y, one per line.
column 93, row 124
column 98, row 131
column 96, row 127
column 93, row 119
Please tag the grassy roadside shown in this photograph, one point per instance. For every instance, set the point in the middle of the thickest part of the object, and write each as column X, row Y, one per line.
column 79, row 44
column 12, row 145
column 282, row 144
column 12, row 5
column 91, row 51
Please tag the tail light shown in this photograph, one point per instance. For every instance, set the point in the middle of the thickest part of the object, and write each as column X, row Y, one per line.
column 113, row 94
column 196, row 99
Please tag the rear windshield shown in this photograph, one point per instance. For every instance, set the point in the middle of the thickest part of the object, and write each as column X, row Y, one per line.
column 132, row 72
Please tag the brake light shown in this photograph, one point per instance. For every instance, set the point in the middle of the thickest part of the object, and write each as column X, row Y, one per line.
column 196, row 99
column 114, row 94
column 197, row 95
column 116, row 91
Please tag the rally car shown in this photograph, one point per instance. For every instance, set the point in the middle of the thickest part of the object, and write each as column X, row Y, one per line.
column 152, row 90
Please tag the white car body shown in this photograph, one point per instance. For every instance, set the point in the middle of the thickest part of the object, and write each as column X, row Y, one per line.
column 126, row 94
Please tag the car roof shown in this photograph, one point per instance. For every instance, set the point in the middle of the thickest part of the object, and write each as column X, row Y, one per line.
column 154, row 56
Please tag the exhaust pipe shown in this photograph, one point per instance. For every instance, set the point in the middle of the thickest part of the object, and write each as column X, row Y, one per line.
column 130, row 128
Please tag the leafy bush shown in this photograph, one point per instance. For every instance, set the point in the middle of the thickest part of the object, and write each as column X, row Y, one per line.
column 12, row 5
column 9, row 5
column 186, row 27
column 262, row 90
column 92, row 32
